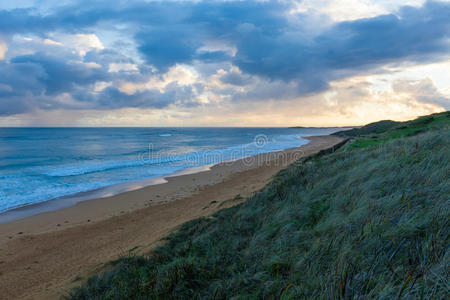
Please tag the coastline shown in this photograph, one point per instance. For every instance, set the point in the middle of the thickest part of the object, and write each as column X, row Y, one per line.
column 28, row 210
column 42, row 254
column 32, row 209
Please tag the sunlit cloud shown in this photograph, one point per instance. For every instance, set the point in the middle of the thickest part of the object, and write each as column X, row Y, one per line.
column 222, row 63
column 117, row 67
column 3, row 49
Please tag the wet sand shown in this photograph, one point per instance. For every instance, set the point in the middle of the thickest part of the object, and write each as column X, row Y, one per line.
column 43, row 256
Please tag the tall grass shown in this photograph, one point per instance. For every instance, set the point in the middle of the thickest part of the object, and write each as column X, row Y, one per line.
column 356, row 224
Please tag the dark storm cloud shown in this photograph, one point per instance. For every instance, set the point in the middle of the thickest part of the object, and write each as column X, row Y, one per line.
column 416, row 34
column 269, row 43
column 19, row 86
column 179, row 39
column 33, row 81
column 113, row 98
column 235, row 78
column 59, row 76
column 173, row 94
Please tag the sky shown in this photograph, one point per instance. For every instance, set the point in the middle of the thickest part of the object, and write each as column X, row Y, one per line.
column 222, row 62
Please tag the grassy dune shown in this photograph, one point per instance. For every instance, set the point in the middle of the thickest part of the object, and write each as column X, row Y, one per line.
column 370, row 220
column 383, row 131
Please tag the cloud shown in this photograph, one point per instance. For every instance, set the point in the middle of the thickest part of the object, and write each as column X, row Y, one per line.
column 254, row 51
column 235, row 77
column 125, row 67
column 59, row 76
column 83, row 43
column 272, row 45
column 3, row 49
column 423, row 90
column 40, row 81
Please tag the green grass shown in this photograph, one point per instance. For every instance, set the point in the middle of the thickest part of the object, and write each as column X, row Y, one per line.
column 372, row 128
column 366, row 222
column 383, row 131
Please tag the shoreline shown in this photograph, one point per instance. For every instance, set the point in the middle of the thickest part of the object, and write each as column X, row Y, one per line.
column 29, row 210
column 53, row 204
column 41, row 255
column 123, row 189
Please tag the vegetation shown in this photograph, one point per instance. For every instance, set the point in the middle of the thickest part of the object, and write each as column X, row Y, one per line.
column 372, row 128
column 383, row 131
column 364, row 222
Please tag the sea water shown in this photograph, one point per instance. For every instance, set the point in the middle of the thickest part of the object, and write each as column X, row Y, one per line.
column 39, row 164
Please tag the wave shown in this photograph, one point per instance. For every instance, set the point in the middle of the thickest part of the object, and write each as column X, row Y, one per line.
column 56, row 180
column 182, row 160
column 43, row 191
column 101, row 166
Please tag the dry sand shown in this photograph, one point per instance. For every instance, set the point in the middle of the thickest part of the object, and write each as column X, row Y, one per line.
column 43, row 256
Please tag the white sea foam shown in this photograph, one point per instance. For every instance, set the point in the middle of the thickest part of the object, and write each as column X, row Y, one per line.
column 80, row 160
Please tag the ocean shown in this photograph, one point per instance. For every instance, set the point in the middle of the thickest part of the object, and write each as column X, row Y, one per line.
column 39, row 164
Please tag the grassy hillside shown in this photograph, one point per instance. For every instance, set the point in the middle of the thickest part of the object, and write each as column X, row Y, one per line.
column 376, row 127
column 383, row 131
column 370, row 221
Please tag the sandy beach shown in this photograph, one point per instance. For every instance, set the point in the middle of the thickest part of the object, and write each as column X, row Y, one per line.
column 43, row 256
